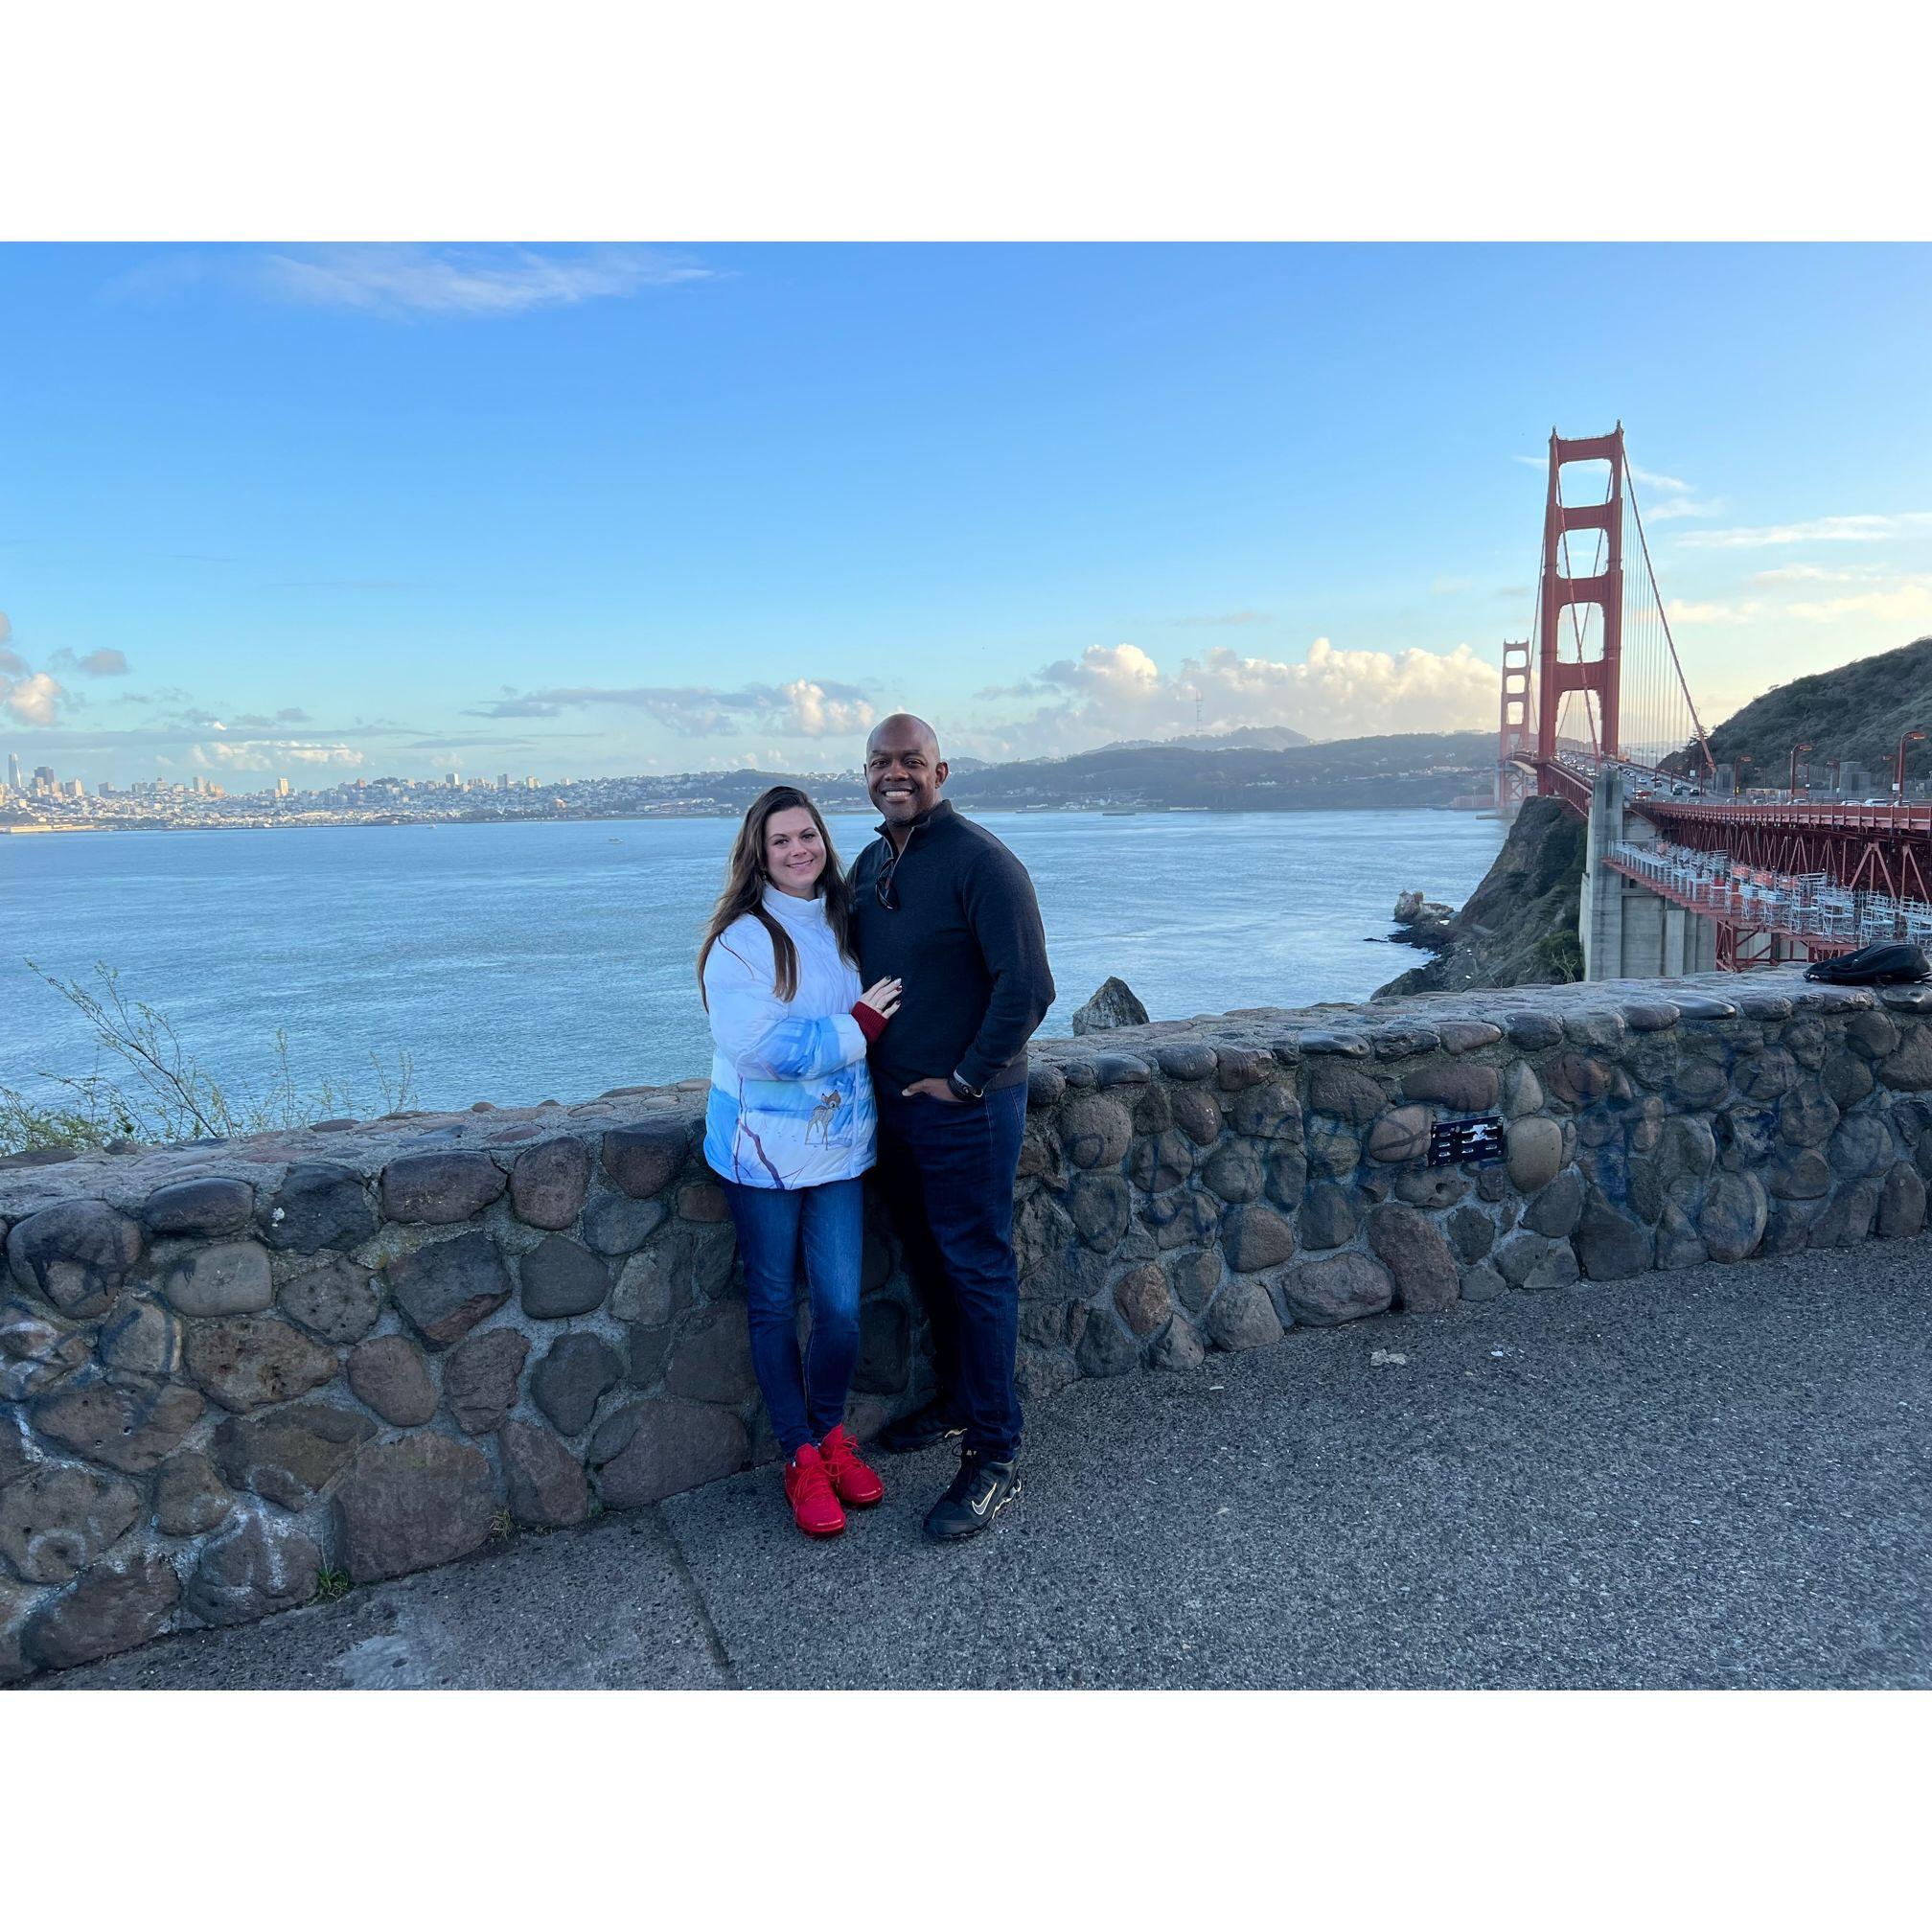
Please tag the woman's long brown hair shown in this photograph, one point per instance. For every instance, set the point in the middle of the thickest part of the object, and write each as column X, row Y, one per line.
column 744, row 890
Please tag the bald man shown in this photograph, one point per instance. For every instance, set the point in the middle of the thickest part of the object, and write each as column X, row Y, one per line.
column 939, row 903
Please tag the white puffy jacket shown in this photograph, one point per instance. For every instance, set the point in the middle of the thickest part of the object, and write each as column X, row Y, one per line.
column 791, row 1103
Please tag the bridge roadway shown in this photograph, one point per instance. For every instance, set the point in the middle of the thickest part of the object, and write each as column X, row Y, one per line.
column 1716, row 1478
column 1874, row 847
column 1728, row 908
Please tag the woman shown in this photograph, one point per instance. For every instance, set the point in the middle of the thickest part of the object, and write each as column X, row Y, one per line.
column 790, row 1128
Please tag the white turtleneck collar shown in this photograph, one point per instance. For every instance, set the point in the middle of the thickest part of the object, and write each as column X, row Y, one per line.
column 795, row 911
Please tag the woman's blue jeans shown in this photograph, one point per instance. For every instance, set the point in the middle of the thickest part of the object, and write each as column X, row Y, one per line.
column 804, row 1397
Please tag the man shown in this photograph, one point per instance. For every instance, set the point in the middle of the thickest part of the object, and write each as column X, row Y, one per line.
column 939, row 903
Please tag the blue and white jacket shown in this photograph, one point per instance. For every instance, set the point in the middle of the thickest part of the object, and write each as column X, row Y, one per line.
column 791, row 1102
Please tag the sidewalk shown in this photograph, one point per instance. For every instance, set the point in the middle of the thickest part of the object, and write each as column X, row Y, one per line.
column 1716, row 1478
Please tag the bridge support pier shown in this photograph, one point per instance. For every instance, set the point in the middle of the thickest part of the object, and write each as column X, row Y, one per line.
column 1689, row 942
column 1629, row 931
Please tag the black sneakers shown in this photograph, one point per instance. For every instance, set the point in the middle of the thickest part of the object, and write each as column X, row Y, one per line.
column 923, row 1429
column 981, row 1489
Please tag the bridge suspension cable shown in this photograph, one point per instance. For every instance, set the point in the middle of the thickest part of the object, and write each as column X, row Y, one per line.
column 1675, row 678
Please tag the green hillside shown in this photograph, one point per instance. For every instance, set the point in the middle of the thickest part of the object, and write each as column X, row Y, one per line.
column 1856, row 712
column 1411, row 768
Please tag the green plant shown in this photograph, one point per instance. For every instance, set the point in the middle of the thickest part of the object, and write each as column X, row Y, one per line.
column 503, row 1526
column 26, row 1126
column 1562, row 955
column 330, row 1585
column 147, row 1085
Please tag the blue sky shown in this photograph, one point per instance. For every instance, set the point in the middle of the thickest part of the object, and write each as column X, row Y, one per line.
column 568, row 511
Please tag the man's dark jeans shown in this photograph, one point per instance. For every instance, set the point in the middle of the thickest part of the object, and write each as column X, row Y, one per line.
column 947, row 1170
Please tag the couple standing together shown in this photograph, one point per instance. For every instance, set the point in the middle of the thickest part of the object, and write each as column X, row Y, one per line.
column 922, row 1074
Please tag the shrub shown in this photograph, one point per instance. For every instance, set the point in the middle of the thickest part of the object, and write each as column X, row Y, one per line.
column 147, row 1087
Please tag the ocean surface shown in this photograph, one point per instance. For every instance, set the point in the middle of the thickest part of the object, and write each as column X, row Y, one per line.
column 524, row 962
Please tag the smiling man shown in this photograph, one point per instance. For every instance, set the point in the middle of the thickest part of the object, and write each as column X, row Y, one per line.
column 940, row 904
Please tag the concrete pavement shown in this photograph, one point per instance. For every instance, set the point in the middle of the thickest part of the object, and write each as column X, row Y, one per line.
column 1708, row 1479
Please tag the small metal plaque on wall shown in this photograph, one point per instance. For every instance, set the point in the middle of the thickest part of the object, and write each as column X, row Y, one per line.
column 1452, row 1143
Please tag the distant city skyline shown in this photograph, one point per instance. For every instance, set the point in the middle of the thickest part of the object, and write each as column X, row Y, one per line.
column 322, row 513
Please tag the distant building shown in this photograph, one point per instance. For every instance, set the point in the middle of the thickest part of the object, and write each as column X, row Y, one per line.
column 14, row 783
column 44, row 779
column 281, row 787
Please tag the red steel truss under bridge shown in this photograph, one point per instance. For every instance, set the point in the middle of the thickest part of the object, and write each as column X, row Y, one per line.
column 1785, row 874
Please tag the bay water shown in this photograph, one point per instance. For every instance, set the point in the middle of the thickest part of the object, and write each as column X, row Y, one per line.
column 518, row 962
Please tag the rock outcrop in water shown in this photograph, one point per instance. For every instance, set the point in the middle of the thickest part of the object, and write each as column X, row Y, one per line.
column 1422, row 922
column 1519, row 927
column 1115, row 1004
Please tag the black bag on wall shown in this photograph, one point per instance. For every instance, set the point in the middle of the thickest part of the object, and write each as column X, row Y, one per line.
column 1874, row 965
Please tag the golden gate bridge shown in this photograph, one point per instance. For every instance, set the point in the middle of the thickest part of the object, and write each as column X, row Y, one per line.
column 1598, row 688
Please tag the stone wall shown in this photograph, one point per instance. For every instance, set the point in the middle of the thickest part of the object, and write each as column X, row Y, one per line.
column 235, row 1375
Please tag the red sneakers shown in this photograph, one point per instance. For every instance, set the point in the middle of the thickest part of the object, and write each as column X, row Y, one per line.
column 808, row 1488
column 855, row 1482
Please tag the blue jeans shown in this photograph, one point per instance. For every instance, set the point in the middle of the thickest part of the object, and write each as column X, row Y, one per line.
column 947, row 1170
column 805, row 1399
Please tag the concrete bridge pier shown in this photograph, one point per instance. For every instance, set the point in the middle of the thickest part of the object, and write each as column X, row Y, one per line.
column 1628, row 931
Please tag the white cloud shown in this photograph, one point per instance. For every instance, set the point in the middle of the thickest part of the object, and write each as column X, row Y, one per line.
column 34, row 698
column 806, row 707
column 1847, row 573
column 1651, row 479
column 1673, row 507
column 267, row 754
column 813, row 713
column 1119, row 691
column 102, row 663
column 408, row 280
column 1117, row 678
column 1861, row 529
column 1894, row 602
column 1678, row 498
column 1906, row 605
column 1688, row 612
column 1819, row 573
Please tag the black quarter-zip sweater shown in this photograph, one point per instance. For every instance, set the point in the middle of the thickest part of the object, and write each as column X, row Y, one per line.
column 967, row 941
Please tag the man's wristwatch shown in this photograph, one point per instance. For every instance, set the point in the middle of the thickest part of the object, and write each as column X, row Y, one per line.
column 961, row 1091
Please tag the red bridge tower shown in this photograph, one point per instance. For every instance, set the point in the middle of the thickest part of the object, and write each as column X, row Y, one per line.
column 1599, row 674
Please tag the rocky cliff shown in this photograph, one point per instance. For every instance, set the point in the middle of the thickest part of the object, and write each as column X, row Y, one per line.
column 1519, row 927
